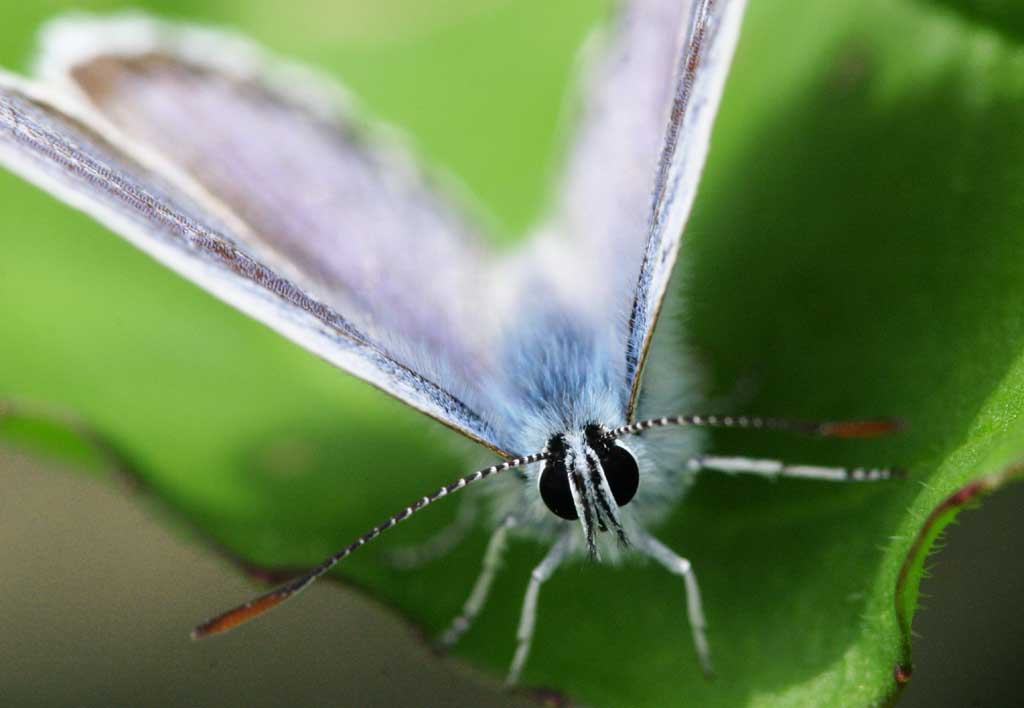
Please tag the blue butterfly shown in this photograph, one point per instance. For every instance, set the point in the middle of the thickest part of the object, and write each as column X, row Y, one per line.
column 255, row 179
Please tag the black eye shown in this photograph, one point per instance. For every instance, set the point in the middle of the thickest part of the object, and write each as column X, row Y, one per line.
column 621, row 471
column 554, row 488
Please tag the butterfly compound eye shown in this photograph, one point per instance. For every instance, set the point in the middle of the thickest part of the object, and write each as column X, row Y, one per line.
column 621, row 471
column 554, row 488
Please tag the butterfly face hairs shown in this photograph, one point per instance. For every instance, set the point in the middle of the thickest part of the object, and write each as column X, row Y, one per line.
column 280, row 206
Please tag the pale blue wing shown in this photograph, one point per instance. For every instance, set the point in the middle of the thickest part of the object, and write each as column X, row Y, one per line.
column 650, row 89
column 69, row 152
column 338, row 206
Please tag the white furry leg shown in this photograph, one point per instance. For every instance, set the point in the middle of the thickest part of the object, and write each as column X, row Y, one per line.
column 528, row 617
column 776, row 468
column 440, row 544
column 678, row 565
column 482, row 586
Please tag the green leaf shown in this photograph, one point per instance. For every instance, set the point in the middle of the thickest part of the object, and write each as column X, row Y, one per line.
column 855, row 250
column 999, row 15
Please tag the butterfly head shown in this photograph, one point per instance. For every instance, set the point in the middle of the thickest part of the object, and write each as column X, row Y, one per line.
column 587, row 476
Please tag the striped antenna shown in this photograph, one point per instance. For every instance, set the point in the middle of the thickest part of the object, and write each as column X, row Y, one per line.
column 867, row 428
column 256, row 607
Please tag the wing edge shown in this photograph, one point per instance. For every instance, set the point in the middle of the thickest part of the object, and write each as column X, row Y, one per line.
column 292, row 322
column 729, row 30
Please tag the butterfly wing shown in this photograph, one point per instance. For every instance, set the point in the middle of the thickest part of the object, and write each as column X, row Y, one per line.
column 347, row 225
column 69, row 152
column 650, row 91
column 335, row 203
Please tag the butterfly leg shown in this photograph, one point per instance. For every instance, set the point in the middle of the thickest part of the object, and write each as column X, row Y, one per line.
column 482, row 586
column 678, row 565
column 528, row 617
column 440, row 544
column 776, row 468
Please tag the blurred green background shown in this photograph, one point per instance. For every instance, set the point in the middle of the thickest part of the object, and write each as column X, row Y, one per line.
column 855, row 250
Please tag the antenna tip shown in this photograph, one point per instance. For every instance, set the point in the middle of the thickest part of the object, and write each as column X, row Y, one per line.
column 241, row 614
column 869, row 428
column 206, row 629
